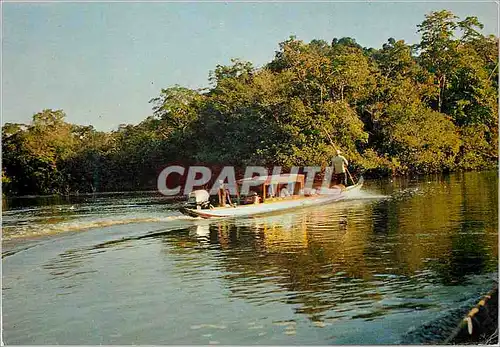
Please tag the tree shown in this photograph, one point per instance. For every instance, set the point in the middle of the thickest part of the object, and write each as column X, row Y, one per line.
column 175, row 107
column 438, row 48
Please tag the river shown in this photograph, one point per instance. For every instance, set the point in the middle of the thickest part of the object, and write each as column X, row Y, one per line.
column 130, row 269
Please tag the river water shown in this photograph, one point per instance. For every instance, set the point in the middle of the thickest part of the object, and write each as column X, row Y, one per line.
column 130, row 269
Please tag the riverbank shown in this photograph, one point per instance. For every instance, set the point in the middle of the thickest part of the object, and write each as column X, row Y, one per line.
column 373, row 174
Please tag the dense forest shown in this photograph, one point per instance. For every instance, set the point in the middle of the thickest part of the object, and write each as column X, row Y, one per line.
column 399, row 109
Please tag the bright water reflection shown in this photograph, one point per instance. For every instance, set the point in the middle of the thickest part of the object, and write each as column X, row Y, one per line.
column 365, row 272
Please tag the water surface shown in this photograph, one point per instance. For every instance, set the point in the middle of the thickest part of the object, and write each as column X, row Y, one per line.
column 132, row 270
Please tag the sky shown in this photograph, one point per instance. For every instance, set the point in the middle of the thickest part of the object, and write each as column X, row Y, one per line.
column 101, row 62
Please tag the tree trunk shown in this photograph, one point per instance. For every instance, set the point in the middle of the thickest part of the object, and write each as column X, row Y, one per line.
column 442, row 83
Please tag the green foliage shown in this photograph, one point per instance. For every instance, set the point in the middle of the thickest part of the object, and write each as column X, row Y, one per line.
column 476, row 151
column 31, row 153
column 421, row 140
column 398, row 109
column 175, row 108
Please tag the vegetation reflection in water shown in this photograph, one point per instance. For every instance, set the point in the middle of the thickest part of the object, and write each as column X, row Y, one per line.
column 358, row 260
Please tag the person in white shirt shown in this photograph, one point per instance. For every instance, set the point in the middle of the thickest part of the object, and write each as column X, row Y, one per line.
column 339, row 164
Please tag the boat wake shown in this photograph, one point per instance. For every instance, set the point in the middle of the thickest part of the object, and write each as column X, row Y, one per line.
column 362, row 195
column 36, row 229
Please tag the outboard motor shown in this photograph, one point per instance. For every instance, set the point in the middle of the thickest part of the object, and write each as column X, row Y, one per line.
column 199, row 199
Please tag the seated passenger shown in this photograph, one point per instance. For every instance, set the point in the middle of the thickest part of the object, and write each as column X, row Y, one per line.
column 284, row 192
column 270, row 191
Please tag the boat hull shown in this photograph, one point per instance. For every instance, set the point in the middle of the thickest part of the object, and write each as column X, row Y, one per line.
column 257, row 209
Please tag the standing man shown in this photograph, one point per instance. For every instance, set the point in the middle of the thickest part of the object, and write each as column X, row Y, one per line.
column 339, row 164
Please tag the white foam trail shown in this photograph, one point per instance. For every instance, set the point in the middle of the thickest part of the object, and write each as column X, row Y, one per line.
column 359, row 195
column 79, row 225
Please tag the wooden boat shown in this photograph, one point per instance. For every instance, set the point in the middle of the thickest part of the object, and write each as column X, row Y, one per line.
column 268, row 204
